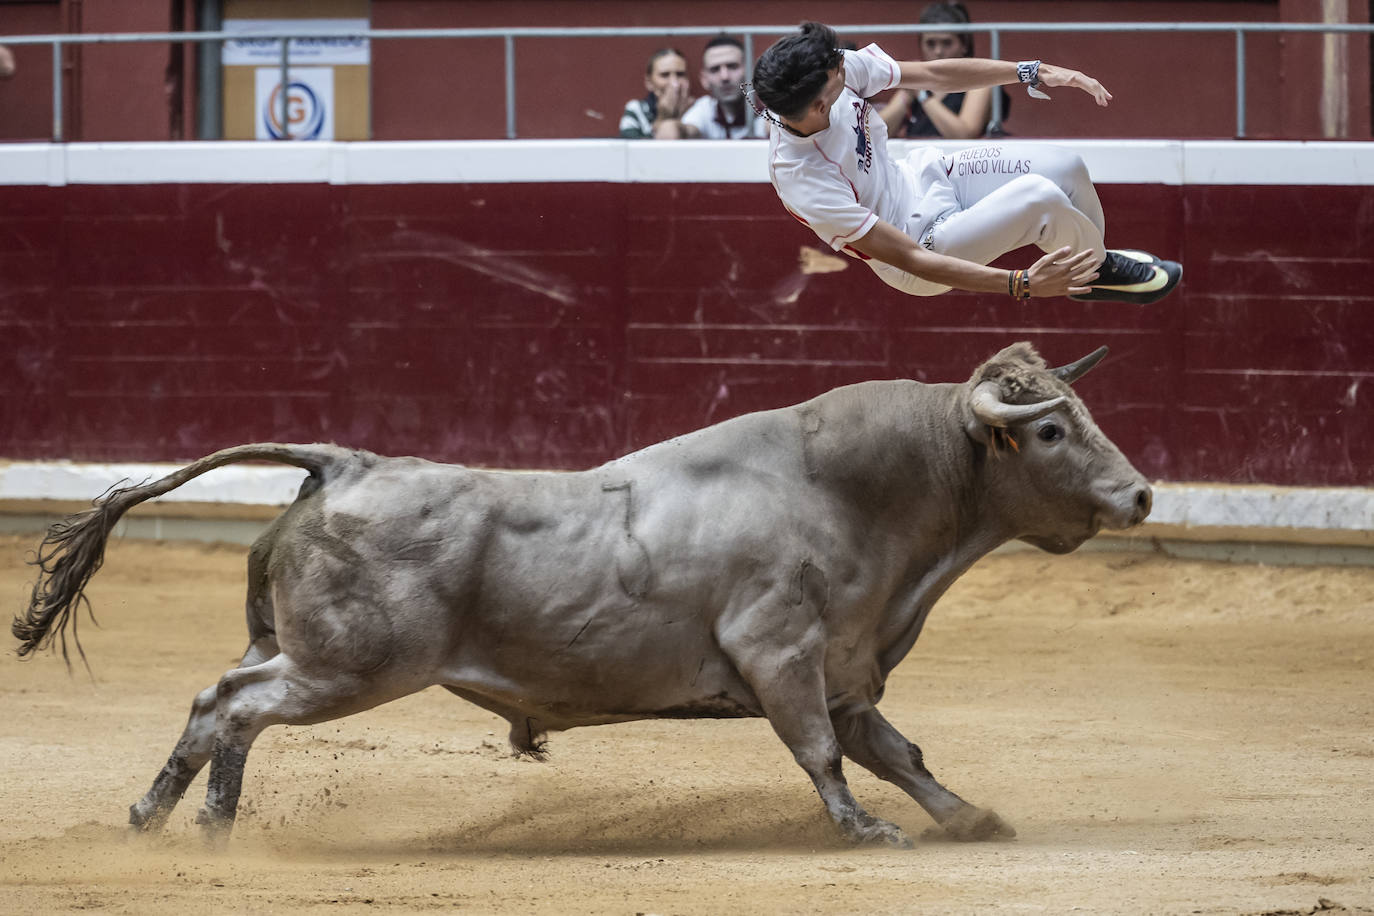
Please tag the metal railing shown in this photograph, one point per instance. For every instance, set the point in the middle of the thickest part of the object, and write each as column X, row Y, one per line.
column 509, row 35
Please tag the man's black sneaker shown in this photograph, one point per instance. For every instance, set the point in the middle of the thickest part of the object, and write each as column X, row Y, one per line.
column 1133, row 276
column 1137, row 255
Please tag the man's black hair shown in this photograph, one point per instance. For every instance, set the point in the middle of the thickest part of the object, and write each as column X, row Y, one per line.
column 791, row 73
column 723, row 40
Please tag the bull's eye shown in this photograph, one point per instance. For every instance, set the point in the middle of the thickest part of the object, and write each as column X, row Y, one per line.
column 1050, row 432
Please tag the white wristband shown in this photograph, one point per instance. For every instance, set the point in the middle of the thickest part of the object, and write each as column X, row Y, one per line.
column 1028, row 72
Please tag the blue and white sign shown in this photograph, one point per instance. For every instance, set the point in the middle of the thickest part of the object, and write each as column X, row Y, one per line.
column 309, row 104
column 252, row 51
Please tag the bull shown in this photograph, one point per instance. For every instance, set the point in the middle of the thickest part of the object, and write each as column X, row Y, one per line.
column 778, row 564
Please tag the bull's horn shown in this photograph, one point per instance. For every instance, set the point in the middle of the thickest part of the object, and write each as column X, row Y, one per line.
column 989, row 407
column 1079, row 368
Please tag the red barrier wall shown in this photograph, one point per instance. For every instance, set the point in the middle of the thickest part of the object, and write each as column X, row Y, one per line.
column 559, row 325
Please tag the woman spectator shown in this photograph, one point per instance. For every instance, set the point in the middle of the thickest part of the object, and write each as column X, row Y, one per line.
column 953, row 115
column 658, row 115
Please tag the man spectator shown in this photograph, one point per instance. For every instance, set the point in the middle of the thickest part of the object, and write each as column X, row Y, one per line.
column 723, row 114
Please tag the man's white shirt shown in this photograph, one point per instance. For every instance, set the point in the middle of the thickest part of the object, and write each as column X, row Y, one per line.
column 704, row 114
column 840, row 181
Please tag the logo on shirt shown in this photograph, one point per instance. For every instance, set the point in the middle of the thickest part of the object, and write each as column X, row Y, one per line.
column 988, row 160
column 863, row 149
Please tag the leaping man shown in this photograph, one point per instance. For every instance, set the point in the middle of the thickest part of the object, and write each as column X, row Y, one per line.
column 931, row 222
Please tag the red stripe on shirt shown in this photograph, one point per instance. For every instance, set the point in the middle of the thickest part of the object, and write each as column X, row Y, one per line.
column 893, row 78
column 853, row 190
column 862, row 226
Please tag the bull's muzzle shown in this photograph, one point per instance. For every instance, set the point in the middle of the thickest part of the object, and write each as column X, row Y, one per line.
column 1127, row 506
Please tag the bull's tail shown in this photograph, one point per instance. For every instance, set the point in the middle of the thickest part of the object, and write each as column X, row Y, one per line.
column 74, row 548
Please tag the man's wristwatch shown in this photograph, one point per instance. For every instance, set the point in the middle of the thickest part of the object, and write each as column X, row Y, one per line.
column 923, row 96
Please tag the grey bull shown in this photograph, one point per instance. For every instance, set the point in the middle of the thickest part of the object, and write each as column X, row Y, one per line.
column 778, row 564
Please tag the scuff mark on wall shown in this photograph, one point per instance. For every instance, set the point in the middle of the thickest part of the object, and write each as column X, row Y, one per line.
column 815, row 261
column 1352, row 394
column 485, row 261
column 810, row 261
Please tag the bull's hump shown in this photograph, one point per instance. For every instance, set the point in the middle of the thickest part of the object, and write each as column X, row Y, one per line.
column 752, row 440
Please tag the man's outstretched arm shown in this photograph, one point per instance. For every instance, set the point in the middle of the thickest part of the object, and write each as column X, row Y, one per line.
column 1059, row 273
column 961, row 74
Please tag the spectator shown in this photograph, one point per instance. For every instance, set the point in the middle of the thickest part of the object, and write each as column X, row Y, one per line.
column 722, row 113
column 6, row 62
column 952, row 115
column 658, row 115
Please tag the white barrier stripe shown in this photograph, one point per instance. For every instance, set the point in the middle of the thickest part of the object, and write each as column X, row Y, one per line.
column 1195, row 505
column 251, row 485
column 1167, row 162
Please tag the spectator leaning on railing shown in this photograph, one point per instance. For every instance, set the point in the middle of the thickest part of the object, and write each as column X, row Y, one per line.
column 658, row 115
column 723, row 114
column 953, row 115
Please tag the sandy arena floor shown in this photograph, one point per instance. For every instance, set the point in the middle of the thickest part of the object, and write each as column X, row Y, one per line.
column 1167, row 736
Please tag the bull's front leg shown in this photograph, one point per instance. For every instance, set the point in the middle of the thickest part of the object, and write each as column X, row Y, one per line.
column 870, row 740
column 785, row 670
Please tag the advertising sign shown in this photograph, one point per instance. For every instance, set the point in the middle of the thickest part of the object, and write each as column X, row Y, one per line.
column 327, row 93
column 306, row 51
column 309, row 104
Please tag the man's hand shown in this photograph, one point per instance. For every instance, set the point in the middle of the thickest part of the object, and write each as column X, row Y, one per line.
column 1051, row 75
column 1061, row 274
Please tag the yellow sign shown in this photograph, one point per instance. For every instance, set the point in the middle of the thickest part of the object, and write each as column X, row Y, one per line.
column 327, row 93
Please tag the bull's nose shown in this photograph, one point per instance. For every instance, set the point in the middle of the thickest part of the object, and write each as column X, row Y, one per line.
column 1144, row 500
column 1125, row 504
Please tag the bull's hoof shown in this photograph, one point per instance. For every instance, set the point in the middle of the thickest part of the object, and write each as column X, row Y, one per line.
column 148, row 817
column 867, row 830
column 214, row 830
column 971, row 825
column 144, row 821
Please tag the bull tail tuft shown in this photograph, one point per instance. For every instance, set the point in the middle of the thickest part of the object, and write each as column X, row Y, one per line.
column 74, row 548
column 70, row 554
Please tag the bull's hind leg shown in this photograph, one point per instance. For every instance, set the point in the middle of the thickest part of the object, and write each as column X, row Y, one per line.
column 192, row 751
column 277, row 692
column 870, row 740
column 197, row 741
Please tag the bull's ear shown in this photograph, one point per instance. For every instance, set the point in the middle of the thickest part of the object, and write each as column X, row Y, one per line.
column 1079, row 367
